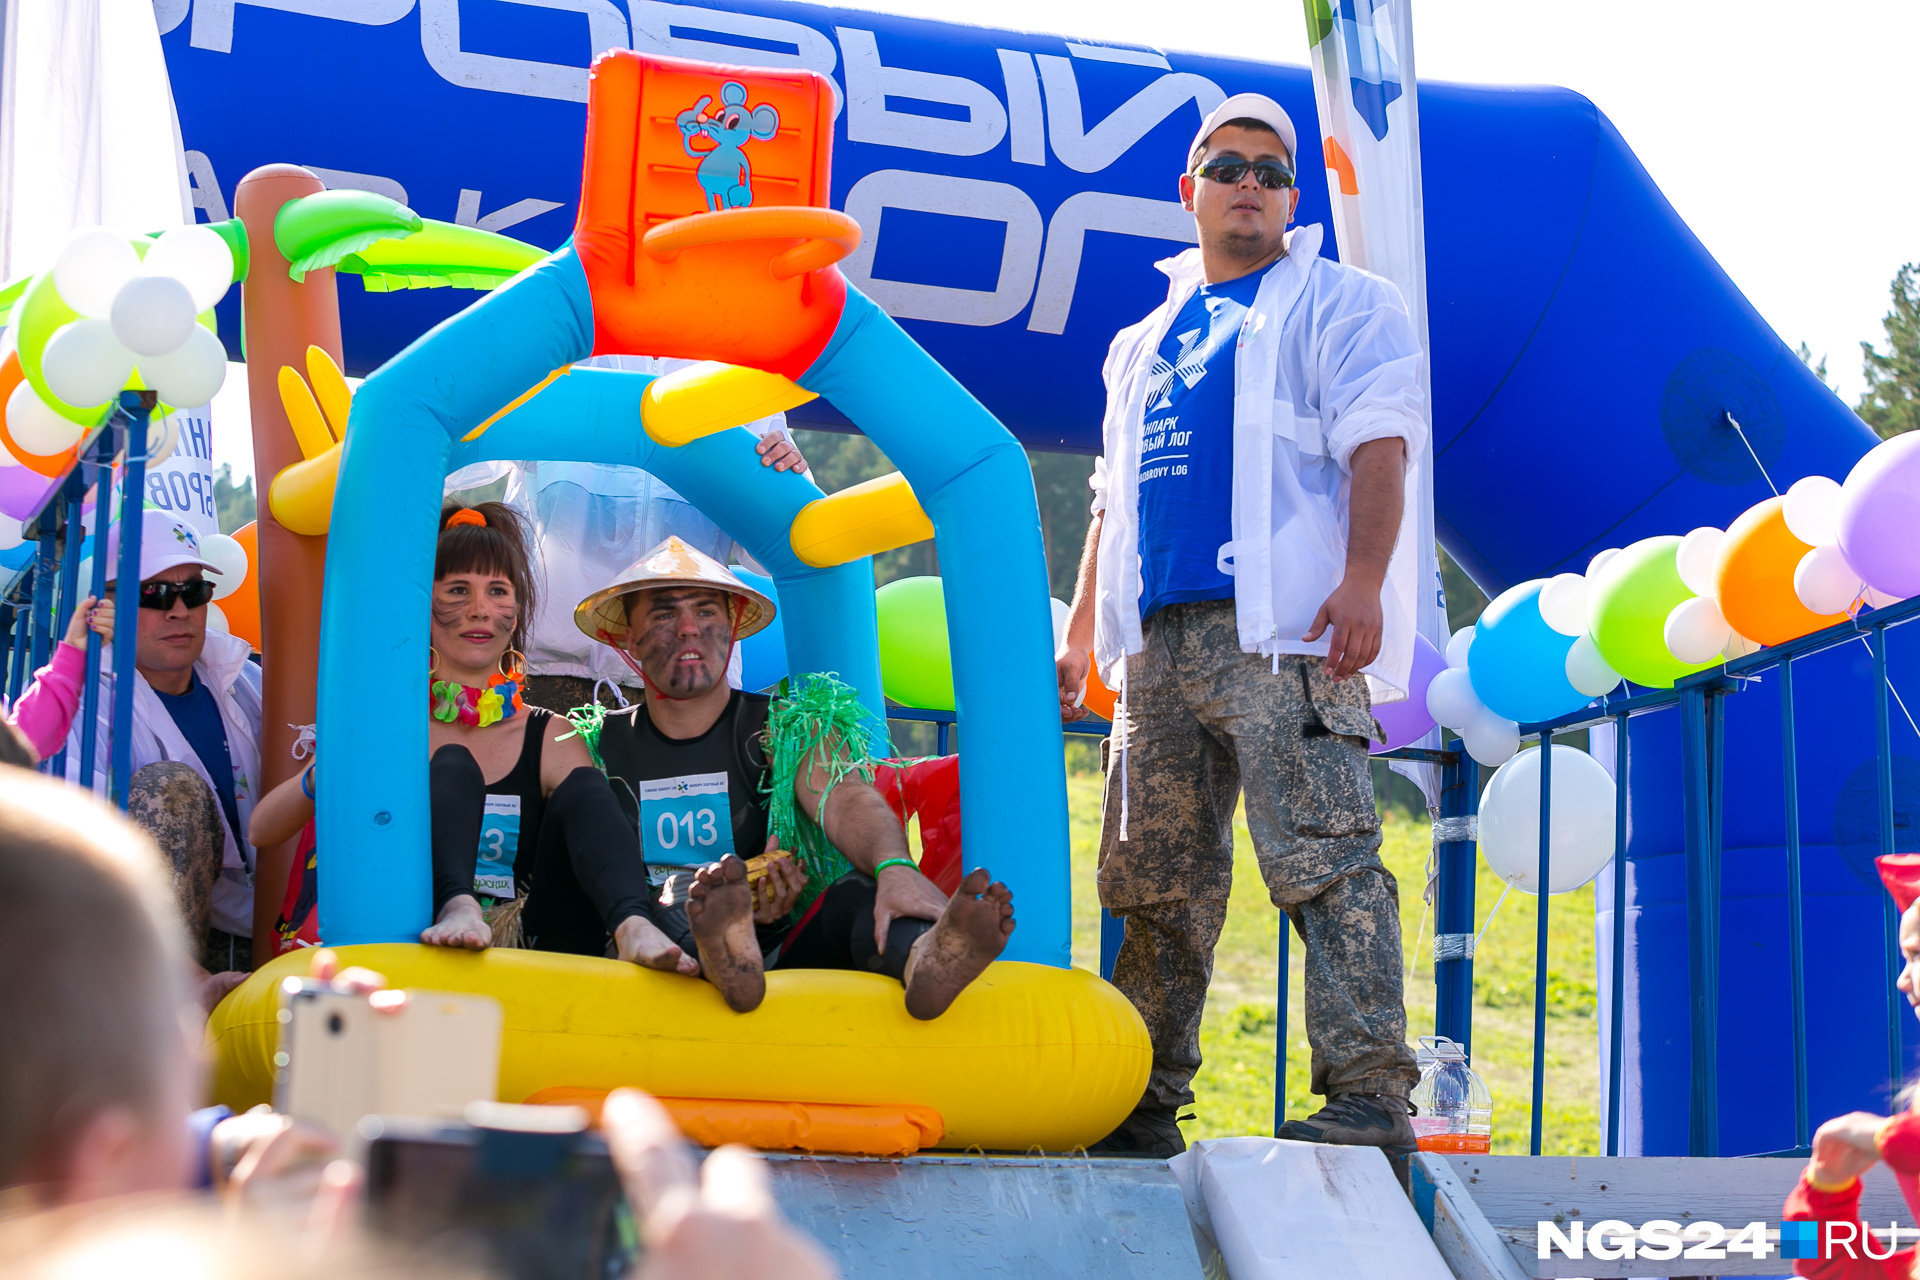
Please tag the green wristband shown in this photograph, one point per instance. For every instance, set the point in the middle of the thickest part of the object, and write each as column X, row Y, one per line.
column 895, row 862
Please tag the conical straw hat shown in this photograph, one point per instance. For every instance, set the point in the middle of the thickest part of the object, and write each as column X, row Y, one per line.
column 603, row 615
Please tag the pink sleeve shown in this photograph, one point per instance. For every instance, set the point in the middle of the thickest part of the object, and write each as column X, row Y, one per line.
column 45, row 711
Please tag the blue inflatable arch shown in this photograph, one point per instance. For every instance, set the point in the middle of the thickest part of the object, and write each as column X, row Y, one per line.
column 404, row 437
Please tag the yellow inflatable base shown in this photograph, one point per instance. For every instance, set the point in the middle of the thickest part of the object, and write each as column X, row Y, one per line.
column 1028, row 1056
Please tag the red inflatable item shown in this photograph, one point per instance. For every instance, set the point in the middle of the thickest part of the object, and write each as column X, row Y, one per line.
column 704, row 229
column 929, row 787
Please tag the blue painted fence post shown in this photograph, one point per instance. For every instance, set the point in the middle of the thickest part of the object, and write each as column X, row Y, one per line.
column 1453, row 898
column 133, row 485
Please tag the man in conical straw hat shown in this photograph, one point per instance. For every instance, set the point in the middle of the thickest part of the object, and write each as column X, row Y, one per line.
column 718, row 775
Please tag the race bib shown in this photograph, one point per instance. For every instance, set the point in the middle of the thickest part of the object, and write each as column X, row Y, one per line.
column 499, row 844
column 686, row 820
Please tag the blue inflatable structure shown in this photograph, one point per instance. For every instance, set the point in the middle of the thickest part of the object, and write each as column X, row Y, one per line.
column 1015, row 189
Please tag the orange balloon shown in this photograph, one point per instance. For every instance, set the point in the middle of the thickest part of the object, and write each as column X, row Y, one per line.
column 1753, row 577
column 1100, row 700
column 46, row 464
column 243, row 606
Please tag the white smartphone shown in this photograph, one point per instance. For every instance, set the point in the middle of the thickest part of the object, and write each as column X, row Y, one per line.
column 342, row 1058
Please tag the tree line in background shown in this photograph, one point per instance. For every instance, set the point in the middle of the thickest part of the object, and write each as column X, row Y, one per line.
column 1891, row 402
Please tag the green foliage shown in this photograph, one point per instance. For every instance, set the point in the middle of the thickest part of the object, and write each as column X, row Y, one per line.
column 1891, row 402
column 1819, row 366
column 233, row 504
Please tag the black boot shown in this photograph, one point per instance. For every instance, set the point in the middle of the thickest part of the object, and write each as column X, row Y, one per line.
column 1357, row 1120
column 1152, row 1133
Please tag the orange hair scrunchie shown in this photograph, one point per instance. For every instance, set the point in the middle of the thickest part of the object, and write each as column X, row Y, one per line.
column 466, row 515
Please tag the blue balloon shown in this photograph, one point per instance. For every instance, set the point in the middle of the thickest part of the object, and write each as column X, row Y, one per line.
column 1518, row 662
column 763, row 655
column 18, row 557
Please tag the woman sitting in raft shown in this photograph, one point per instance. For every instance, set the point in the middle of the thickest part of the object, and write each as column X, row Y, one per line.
column 530, row 846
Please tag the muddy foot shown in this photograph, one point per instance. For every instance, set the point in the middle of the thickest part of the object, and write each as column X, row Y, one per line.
column 460, row 925
column 969, row 934
column 720, row 908
column 639, row 941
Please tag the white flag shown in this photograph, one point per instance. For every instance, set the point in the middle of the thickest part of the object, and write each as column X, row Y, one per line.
column 1363, row 84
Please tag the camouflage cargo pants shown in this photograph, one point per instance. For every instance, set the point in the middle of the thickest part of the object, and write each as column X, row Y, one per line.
column 1208, row 722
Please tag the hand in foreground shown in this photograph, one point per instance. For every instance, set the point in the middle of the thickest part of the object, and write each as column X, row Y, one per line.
column 1353, row 612
column 91, row 614
column 777, row 893
column 1845, row 1147
column 720, row 1224
column 1070, row 668
column 265, row 1155
column 213, row 987
column 780, row 453
column 904, row 894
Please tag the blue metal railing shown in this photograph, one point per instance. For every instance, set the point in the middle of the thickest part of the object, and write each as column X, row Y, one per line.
column 37, row 605
column 1701, row 702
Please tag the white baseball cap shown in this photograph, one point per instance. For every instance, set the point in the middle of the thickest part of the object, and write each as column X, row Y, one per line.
column 166, row 542
column 1247, row 106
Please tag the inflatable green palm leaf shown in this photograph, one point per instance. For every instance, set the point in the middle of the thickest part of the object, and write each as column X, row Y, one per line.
column 320, row 230
column 442, row 255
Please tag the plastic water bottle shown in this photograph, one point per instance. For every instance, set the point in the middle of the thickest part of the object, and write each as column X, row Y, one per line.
column 1455, row 1110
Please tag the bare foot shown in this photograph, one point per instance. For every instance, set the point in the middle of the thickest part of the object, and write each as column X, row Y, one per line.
column 460, row 925
column 963, row 942
column 720, row 908
column 639, row 941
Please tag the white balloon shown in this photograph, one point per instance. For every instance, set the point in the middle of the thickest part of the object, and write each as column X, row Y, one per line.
column 1458, row 644
column 1060, row 611
column 7, row 459
column 1812, row 513
column 37, row 428
column 1588, row 672
column 198, row 258
column 1491, row 740
column 1580, row 823
column 229, row 558
column 1599, row 562
column 85, row 364
column 12, row 532
column 190, row 374
column 1451, row 699
column 1823, row 579
column 152, row 314
column 90, row 270
column 1739, row 647
column 1696, row 631
column 217, row 620
column 1695, row 560
column 1563, row 604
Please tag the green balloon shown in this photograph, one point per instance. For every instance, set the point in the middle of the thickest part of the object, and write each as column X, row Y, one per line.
column 916, row 667
column 1627, row 607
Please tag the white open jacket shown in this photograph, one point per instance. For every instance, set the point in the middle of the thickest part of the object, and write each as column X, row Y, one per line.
column 235, row 682
column 1326, row 361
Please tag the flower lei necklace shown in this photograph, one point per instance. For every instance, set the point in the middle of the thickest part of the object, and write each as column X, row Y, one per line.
column 449, row 700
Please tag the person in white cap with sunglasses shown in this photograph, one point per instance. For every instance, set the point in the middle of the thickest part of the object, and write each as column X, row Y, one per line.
column 196, row 740
column 1240, row 579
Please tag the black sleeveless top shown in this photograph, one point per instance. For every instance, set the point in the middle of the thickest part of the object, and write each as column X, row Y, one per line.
column 733, row 750
column 523, row 781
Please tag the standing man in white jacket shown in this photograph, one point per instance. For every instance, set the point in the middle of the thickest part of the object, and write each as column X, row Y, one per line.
column 1241, row 589
column 195, row 744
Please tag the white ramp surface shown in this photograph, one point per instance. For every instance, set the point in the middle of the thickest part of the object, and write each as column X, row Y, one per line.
column 1278, row 1210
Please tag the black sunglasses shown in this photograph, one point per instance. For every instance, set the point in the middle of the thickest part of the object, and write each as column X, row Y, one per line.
column 161, row 595
column 1272, row 175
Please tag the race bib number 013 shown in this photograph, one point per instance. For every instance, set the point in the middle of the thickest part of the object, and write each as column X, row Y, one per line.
column 687, row 819
column 499, row 845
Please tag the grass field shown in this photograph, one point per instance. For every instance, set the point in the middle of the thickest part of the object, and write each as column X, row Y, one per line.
column 1235, row 1086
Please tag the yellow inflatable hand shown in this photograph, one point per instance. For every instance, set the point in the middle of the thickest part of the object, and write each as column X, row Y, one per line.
column 301, row 497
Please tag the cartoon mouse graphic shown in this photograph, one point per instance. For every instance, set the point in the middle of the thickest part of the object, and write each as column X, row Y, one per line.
column 724, row 173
